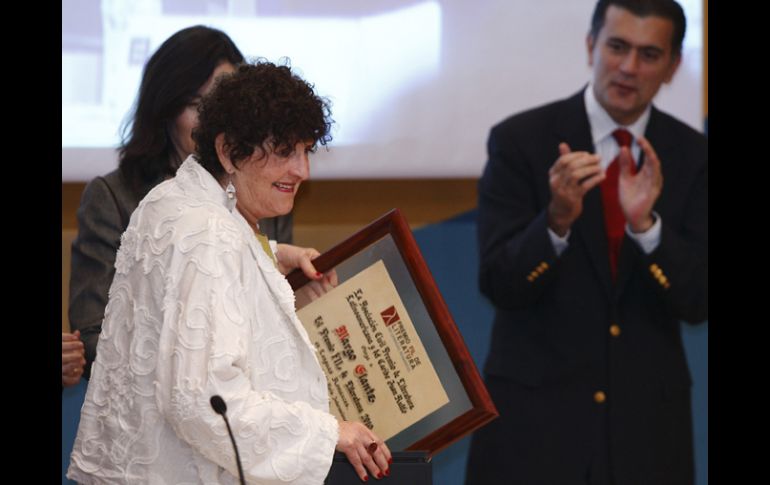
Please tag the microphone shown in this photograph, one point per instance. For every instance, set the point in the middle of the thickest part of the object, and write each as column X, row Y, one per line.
column 219, row 406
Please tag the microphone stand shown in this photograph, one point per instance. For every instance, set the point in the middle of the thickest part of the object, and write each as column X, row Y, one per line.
column 221, row 408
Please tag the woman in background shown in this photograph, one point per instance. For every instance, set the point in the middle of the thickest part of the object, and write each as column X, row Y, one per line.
column 183, row 69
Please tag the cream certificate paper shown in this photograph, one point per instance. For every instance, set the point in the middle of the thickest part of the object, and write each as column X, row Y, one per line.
column 376, row 365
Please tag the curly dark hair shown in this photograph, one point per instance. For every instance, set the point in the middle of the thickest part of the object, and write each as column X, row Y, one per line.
column 261, row 106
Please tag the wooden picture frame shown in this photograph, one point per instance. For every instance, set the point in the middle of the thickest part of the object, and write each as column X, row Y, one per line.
column 476, row 408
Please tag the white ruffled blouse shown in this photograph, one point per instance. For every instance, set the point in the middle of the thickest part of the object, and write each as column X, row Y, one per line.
column 197, row 308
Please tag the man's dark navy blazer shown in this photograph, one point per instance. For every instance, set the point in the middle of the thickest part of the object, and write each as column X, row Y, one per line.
column 551, row 337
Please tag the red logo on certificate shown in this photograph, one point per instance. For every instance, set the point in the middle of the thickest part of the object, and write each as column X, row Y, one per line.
column 390, row 316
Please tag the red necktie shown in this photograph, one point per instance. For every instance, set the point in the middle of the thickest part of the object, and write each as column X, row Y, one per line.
column 614, row 221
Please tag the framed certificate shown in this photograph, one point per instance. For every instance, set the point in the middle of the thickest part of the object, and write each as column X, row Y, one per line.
column 392, row 354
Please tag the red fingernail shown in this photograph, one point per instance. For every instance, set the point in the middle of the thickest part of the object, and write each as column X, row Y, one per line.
column 390, row 461
column 318, row 275
column 366, row 477
column 379, row 474
column 387, row 472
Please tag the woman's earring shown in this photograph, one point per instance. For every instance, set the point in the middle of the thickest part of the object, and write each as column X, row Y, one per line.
column 230, row 191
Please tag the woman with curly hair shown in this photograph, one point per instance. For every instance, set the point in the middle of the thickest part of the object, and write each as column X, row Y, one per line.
column 199, row 307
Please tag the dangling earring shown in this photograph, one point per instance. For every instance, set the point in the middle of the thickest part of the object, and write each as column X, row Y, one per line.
column 230, row 191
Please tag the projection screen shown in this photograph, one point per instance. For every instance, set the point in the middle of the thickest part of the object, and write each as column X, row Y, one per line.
column 415, row 85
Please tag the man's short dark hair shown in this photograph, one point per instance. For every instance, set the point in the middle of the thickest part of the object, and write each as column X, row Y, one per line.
column 668, row 9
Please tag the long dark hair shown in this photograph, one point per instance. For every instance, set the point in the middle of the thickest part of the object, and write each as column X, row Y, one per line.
column 170, row 81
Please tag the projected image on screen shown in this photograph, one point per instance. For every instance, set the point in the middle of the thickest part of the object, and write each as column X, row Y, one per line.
column 415, row 84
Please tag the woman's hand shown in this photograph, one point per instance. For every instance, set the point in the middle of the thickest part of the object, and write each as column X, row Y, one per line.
column 290, row 257
column 364, row 450
column 72, row 358
column 314, row 289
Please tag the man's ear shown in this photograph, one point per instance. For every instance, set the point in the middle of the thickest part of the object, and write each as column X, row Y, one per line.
column 224, row 157
column 675, row 61
column 590, row 46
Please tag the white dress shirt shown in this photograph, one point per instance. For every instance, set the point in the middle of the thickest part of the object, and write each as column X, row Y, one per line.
column 607, row 148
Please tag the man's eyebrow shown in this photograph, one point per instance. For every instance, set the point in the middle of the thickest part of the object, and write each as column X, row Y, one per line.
column 650, row 48
column 618, row 39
